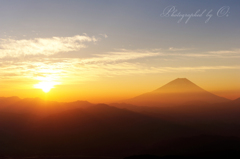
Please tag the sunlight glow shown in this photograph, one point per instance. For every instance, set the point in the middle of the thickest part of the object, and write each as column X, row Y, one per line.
column 46, row 86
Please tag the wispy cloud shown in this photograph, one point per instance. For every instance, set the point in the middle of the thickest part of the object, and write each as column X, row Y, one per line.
column 75, row 70
column 42, row 46
column 233, row 51
column 104, row 35
column 118, row 56
column 179, row 49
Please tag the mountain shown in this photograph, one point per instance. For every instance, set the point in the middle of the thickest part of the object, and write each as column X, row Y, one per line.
column 36, row 128
column 201, row 146
column 78, row 128
column 37, row 106
column 236, row 101
column 178, row 91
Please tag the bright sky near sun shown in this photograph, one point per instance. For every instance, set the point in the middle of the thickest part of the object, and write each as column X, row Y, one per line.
column 104, row 50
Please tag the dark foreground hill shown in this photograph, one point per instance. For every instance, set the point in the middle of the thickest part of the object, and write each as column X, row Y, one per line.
column 47, row 129
column 79, row 128
column 219, row 118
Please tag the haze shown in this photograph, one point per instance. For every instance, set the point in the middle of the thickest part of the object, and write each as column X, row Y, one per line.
column 114, row 50
column 119, row 79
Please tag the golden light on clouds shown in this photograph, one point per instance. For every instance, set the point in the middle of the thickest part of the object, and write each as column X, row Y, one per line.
column 42, row 46
column 43, row 63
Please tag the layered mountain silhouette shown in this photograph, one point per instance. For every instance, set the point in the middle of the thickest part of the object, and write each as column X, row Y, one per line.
column 178, row 91
column 30, row 127
column 34, row 127
column 202, row 124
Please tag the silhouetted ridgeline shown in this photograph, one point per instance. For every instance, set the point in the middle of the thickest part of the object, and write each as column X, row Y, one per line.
column 48, row 129
column 34, row 126
column 176, row 92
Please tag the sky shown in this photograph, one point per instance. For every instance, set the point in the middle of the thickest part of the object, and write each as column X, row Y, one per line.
column 110, row 50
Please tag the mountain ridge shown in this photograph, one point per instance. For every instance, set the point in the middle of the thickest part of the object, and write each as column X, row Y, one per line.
column 178, row 91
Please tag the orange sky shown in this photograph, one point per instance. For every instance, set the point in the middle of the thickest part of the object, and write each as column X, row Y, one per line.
column 111, row 89
column 110, row 51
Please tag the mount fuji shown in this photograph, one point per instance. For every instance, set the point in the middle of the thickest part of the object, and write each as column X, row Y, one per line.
column 178, row 91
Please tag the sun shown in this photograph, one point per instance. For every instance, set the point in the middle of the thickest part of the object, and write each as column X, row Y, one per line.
column 46, row 86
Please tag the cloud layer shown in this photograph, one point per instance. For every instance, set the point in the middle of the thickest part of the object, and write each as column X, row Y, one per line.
column 70, row 71
column 42, row 46
column 95, row 66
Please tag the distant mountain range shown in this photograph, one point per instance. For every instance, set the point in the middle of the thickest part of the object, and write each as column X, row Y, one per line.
column 196, row 123
column 34, row 127
column 177, row 92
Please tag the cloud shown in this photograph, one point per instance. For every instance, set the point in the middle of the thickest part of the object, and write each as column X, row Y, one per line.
column 233, row 51
column 70, row 70
column 42, row 46
column 188, row 52
column 104, row 35
column 118, row 56
column 75, row 70
column 179, row 49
